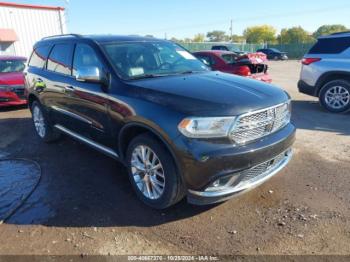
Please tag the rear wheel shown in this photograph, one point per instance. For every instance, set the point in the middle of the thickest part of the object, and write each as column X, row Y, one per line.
column 42, row 126
column 152, row 172
column 335, row 96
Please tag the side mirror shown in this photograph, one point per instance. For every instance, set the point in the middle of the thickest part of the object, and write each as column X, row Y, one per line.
column 89, row 74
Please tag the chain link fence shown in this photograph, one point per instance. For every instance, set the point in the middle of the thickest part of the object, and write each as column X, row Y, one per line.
column 294, row 51
column 193, row 47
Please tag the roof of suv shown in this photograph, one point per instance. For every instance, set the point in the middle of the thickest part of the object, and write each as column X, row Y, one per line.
column 335, row 35
column 101, row 38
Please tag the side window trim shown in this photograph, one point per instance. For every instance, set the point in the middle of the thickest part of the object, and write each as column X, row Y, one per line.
column 71, row 63
column 73, row 56
column 47, row 58
column 43, row 67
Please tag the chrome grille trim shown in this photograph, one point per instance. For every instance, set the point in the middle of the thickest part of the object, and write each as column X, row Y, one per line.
column 253, row 174
column 279, row 162
column 254, row 125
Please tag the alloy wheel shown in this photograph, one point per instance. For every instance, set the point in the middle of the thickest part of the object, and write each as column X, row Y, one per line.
column 337, row 97
column 39, row 121
column 147, row 172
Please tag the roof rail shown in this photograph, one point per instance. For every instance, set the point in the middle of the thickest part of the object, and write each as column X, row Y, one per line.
column 53, row 36
column 340, row 33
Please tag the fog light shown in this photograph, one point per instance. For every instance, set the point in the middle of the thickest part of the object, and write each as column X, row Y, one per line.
column 222, row 183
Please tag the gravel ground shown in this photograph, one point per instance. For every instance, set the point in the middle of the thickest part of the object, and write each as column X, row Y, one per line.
column 85, row 205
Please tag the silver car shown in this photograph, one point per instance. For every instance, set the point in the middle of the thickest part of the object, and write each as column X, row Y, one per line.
column 326, row 72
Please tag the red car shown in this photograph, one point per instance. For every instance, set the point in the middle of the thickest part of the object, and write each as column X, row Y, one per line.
column 12, row 81
column 249, row 65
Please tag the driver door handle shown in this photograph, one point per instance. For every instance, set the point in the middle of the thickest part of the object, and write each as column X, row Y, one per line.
column 69, row 88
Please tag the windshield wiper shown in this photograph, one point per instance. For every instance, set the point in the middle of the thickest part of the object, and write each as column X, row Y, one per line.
column 145, row 76
column 187, row 72
column 163, row 75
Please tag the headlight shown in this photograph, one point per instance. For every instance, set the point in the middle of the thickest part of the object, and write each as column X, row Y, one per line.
column 206, row 127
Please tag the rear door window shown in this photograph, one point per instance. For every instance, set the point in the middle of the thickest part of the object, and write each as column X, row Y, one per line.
column 330, row 45
column 230, row 58
column 39, row 56
column 60, row 59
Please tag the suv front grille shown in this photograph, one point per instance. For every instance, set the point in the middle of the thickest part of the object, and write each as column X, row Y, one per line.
column 255, row 125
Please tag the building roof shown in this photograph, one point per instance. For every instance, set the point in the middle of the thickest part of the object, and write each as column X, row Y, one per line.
column 8, row 35
column 7, row 4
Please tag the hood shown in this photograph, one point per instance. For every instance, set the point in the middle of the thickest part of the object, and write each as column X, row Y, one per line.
column 14, row 78
column 208, row 94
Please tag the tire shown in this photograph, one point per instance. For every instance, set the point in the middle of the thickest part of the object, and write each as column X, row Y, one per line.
column 42, row 124
column 335, row 96
column 276, row 58
column 158, row 197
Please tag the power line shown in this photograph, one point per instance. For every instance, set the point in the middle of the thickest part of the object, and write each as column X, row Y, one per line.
column 254, row 18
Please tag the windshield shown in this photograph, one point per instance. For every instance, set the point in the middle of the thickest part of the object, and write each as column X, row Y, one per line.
column 230, row 58
column 10, row 66
column 135, row 60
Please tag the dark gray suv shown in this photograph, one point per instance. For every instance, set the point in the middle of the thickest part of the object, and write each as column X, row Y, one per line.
column 179, row 128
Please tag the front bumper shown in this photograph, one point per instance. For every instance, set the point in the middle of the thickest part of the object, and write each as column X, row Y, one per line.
column 8, row 98
column 203, row 162
column 248, row 180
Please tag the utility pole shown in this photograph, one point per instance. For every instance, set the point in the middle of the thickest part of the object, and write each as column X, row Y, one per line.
column 231, row 31
column 63, row 17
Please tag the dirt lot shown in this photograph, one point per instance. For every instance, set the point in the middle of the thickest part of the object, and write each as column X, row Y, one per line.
column 85, row 205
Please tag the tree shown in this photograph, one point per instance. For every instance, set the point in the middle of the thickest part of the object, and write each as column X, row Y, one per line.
column 260, row 34
column 238, row 39
column 217, row 36
column 329, row 29
column 176, row 40
column 199, row 38
column 294, row 35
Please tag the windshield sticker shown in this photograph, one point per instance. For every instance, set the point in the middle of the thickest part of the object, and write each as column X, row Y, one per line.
column 136, row 71
column 186, row 55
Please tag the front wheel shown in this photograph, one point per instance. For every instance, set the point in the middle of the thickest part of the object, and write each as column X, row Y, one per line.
column 42, row 126
column 335, row 96
column 152, row 172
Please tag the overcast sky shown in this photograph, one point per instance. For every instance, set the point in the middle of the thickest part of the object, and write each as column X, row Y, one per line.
column 184, row 18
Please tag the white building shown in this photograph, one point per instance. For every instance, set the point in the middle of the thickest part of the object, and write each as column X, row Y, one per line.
column 21, row 25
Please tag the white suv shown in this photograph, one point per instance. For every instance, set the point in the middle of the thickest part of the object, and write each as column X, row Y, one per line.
column 326, row 72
